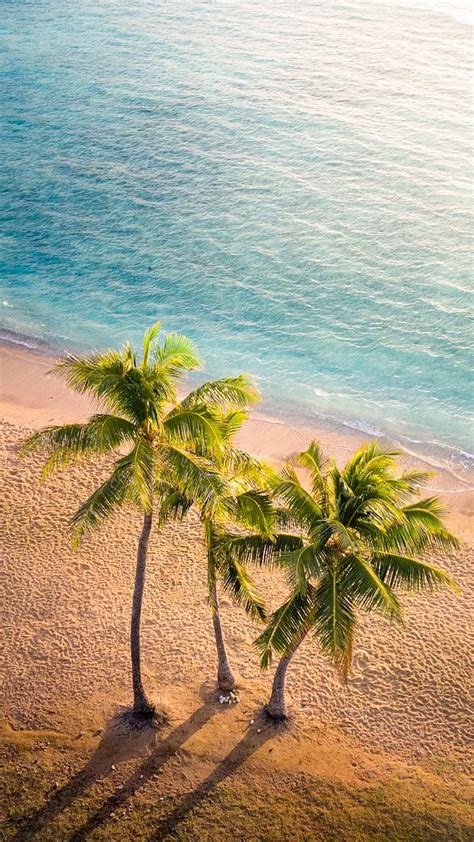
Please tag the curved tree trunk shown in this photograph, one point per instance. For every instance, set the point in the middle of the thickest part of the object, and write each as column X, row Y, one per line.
column 141, row 705
column 277, row 707
column 225, row 679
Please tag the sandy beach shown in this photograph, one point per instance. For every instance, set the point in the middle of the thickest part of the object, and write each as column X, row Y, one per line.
column 404, row 712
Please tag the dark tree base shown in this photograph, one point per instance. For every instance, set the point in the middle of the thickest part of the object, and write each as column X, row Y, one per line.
column 149, row 717
column 226, row 685
column 282, row 719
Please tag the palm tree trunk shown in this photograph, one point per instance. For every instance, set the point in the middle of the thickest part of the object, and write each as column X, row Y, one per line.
column 277, row 707
column 225, row 679
column 141, row 705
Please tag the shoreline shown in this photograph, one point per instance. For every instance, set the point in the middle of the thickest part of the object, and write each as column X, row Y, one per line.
column 30, row 397
column 459, row 465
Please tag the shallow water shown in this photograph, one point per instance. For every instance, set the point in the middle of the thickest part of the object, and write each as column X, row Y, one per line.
column 291, row 190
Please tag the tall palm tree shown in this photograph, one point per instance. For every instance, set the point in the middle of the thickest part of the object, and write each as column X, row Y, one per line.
column 243, row 503
column 140, row 414
column 361, row 532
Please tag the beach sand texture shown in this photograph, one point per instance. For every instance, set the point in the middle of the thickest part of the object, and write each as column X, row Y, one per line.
column 66, row 616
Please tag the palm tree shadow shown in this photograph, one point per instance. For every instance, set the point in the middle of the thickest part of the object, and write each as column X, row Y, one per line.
column 250, row 743
column 167, row 747
column 119, row 743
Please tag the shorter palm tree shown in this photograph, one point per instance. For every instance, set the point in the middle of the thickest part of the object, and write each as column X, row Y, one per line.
column 360, row 533
column 242, row 504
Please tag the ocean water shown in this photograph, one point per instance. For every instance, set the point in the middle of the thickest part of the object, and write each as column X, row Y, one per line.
column 288, row 184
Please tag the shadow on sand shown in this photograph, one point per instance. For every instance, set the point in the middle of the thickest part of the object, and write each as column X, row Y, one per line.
column 118, row 744
column 250, row 743
column 227, row 767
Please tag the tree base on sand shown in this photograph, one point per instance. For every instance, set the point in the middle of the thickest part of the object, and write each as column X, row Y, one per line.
column 146, row 717
column 226, row 681
column 276, row 715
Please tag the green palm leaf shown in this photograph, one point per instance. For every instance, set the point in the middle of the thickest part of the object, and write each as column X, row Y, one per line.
column 196, row 426
column 366, row 588
column 194, row 476
column 419, row 528
column 303, row 564
column 229, row 393
column 175, row 356
column 313, row 460
column 254, row 549
column 142, row 464
column 286, row 626
column 70, row 442
column 231, row 424
column 92, row 373
column 289, row 489
column 412, row 573
column 254, row 509
column 334, row 621
column 370, row 459
column 148, row 339
column 239, row 584
column 103, row 501
column 170, row 503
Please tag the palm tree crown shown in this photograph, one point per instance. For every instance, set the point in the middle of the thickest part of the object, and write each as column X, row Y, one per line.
column 141, row 413
column 360, row 533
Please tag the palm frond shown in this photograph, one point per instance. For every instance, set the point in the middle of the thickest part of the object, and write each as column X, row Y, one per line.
column 170, row 503
column 303, row 564
column 345, row 536
column 369, row 459
column 229, row 393
column 254, row 509
column 313, row 460
column 148, row 339
column 237, row 582
column 286, row 626
column 370, row 514
column 141, row 460
column 231, row 424
column 405, row 487
column 334, row 621
column 194, row 425
column 360, row 579
column 175, row 356
column 303, row 506
column 194, row 476
column 103, row 501
column 419, row 528
column 68, row 443
column 91, row 373
column 415, row 479
column 242, row 469
column 401, row 571
column 284, row 519
column 254, row 549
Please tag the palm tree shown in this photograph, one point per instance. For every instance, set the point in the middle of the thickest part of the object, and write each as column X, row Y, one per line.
column 242, row 502
column 140, row 412
column 361, row 532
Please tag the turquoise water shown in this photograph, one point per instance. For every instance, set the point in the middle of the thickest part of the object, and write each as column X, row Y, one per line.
column 292, row 190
